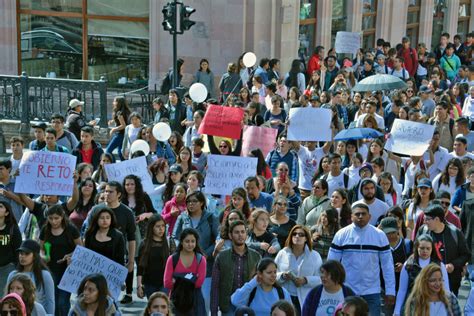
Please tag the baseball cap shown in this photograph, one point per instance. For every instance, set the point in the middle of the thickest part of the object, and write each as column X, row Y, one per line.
column 75, row 103
column 175, row 168
column 366, row 166
column 431, row 55
column 315, row 98
column 425, row 89
column 424, row 183
column 29, row 245
column 389, row 225
column 41, row 125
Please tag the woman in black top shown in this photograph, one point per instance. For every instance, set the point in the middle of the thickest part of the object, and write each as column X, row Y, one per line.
column 58, row 239
column 152, row 256
column 10, row 238
column 103, row 237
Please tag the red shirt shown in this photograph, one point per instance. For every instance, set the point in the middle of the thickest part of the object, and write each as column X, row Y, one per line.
column 87, row 155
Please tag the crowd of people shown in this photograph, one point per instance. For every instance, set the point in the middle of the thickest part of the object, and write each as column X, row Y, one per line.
column 333, row 228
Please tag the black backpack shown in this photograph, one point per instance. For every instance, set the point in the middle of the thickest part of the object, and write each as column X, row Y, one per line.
column 166, row 83
column 281, row 295
column 182, row 295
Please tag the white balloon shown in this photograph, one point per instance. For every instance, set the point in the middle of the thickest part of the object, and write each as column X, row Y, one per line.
column 161, row 132
column 140, row 144
column 198, row 92
column 249, row 59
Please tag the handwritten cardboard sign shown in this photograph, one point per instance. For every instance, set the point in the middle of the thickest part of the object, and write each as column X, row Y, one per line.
column 409, row 138
column 310, row 124
column 222, row 121
column 45, row 172
column 258, row 137
column 85, row 262
column 347, row 42
column 225, row 173
column 137, row 166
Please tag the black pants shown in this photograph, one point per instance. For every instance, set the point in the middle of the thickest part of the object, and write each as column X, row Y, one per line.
column 296, row 304
column 129, row 283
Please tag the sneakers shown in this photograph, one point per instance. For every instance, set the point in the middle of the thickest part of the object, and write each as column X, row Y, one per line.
column 127, row 299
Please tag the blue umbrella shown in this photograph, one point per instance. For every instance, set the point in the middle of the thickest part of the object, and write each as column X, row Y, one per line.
column 379, row 82
column 357, row 133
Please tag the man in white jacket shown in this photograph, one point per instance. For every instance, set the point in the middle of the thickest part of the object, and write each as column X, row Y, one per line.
column 363, row 250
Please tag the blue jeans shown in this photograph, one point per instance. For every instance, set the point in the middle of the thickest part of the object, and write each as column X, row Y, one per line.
column 206, row 293
column 115, row 142
column 373, row 300
column 62, row 299
column 470, row 270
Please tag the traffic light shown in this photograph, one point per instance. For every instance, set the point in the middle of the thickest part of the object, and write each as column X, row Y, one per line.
column 185, row 13
column 169, row 20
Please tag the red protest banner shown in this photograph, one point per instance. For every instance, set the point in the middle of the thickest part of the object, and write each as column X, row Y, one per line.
column 222, row 121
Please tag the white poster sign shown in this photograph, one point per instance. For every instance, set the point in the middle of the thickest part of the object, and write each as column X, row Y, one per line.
column 347, row 42
column 137, row 166
column 84, row 262
column 409, row 138
column 310, row 124
column 225, row 173
column 45, row 172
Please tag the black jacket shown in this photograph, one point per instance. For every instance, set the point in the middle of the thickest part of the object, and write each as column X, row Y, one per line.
column 176, row 117
column 96, row 154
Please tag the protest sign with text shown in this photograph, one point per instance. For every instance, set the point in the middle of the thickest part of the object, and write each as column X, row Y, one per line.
column 409, row 138
column 222, row 121
column 46, row 172
column 225, row 173
column 347, row 42
column 136, row 166
column 84, row 262
column 258, row 137
column 310, row 124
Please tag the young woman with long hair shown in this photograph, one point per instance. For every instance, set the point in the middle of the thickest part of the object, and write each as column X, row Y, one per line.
column 184, row 160
column 298, row 265
column 174, row 207
column 175, row 174
column 340, row 201
column 280, row 222
column 188, row 259
column 159, row 170
column 424, row 253
column 87, row 194
column 238, row 201
column 176, row 142
column 451, row 178
column 205, row 76
column 120, row 114
column 423, row 196
column 152, row 255
column 255, row 118
column 12, row 304
column 313, row 205
column 262, row 167
column 259, row 238
column 22, row 285
column 223, row 241
column 11, row 242
column 323, row 232
column 244, row 96
column 385, row 181
column 93, row 298
column 103, row 237
column 263, row 287
column 428, row 296
column 158, row 302
column 58, row 239
column 100, row 176
column 84, row 170
column 31, row 264
column 138, row 201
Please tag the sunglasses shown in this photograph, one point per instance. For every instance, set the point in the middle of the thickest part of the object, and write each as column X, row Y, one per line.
column 222, row 146
column 6, row 313
column 447, row 204
column 298, row 234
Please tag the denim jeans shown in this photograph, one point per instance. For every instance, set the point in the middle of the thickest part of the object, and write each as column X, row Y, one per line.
column 206, row 293
column 115, row 142
column 62, row 299
column 470, row 270
column 373, row 300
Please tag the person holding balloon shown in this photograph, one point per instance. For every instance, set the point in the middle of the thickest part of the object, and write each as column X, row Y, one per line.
column 131, row 133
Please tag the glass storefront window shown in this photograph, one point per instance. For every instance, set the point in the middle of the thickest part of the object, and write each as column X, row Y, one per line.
column 369, row 11
column 51, row 46
column 464, row 17
column 118, row 50
column 439, row 13
column 135, row 8
column 307, row 28
column 339, row 18
column 52, row 5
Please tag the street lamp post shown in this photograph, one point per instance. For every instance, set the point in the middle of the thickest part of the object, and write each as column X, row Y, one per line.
column 170, row 24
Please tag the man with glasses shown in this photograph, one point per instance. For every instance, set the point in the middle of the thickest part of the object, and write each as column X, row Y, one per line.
column 63, row 138
column 449, row 244
column 364, row 250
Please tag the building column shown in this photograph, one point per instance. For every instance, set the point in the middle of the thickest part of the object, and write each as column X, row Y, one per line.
column 324, row 23
column 426, row 22
column 399, row 9
column 451, row 20
column 384, row 20
column 154, row 34
column 354, row 16
column 471, row 19
column 8, row 38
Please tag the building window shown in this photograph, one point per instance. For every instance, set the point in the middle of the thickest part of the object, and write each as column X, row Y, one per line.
column 413, row 21
column 464, row 18
column 369, row 16
column 439, row 15
column 307, row 28
column 339, row 18
column 85, row 39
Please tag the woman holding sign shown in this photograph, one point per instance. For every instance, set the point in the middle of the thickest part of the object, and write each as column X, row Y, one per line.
column 58, row 239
